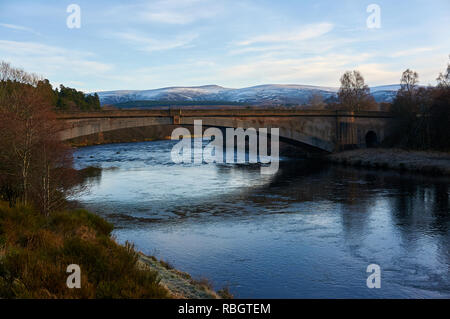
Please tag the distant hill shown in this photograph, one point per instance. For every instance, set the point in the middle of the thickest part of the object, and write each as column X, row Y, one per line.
column 270, row 94
column 164, row 103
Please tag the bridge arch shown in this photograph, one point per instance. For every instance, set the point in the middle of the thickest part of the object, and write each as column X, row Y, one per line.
column 371, row 139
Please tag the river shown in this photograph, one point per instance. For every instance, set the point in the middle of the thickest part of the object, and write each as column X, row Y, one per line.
column 310, row 231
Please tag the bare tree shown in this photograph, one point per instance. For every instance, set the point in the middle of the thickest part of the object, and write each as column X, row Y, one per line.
column 316, row 101
column 8, row 73
column 31, row 154
column 52, row 177
column 444, row 78
column 354, row 94
column 19, row 106
column 408, row 82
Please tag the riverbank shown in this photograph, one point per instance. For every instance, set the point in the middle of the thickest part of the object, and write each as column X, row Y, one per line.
column 426, row 162
column 180, row 284
column 35, row 251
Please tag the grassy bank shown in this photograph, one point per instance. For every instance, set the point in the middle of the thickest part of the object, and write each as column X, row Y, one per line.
column 427, row 162
column 35, row 251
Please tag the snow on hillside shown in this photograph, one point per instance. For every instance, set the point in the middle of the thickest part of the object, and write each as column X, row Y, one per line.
column 392, row 87
column 384, row 93
column 261, row 94
column 167, row 94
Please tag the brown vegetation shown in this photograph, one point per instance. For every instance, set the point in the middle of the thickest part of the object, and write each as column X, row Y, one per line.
column 354, row 94
column 422, row 113
column 35, row 167
column 36, row 250
column 38, row 240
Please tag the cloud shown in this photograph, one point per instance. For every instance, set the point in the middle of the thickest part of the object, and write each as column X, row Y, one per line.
column 245, row 50
column 149, row 44
column 190, row 72
column 411, row 52
column 180, row 11
column 49, row 60
column 18, row 28
column 175, row 12
column 326, row 68
column 303, row 33
column 322, row 70
column 316, row 46
column 378, row 73
column 317, row 70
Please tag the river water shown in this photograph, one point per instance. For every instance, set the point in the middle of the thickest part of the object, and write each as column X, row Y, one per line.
column 310, row 231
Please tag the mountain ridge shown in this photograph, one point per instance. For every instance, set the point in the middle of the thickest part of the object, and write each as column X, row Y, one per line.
column 269, row 94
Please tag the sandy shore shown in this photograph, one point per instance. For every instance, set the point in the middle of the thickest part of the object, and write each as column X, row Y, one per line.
column 437, row 163
column 180, row 284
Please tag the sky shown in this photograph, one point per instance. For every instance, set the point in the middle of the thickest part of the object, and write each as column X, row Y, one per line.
column 233, row 43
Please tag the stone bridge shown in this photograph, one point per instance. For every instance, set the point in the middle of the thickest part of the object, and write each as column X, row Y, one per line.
column 322, row 130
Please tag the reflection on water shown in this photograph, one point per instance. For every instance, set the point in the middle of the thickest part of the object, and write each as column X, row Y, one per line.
column 309, row 231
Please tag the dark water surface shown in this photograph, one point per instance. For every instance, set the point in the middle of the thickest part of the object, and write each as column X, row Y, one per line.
column 310, row 231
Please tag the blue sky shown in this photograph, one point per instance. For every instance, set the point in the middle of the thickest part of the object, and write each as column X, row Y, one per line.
column 152, row 44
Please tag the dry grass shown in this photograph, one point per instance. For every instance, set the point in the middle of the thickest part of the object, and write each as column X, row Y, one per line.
column 36, row 250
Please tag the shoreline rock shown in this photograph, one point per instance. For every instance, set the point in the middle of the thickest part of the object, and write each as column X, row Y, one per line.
column 180, row 284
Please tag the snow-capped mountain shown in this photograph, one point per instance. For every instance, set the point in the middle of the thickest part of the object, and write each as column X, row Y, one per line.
column 384, row 93
column 197, row 93
column 262, row 94
column 275, row 94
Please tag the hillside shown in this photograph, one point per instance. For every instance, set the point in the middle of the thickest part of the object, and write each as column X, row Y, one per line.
column 270, row 94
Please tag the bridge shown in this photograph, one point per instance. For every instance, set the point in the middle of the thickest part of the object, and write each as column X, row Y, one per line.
column 321, row 130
